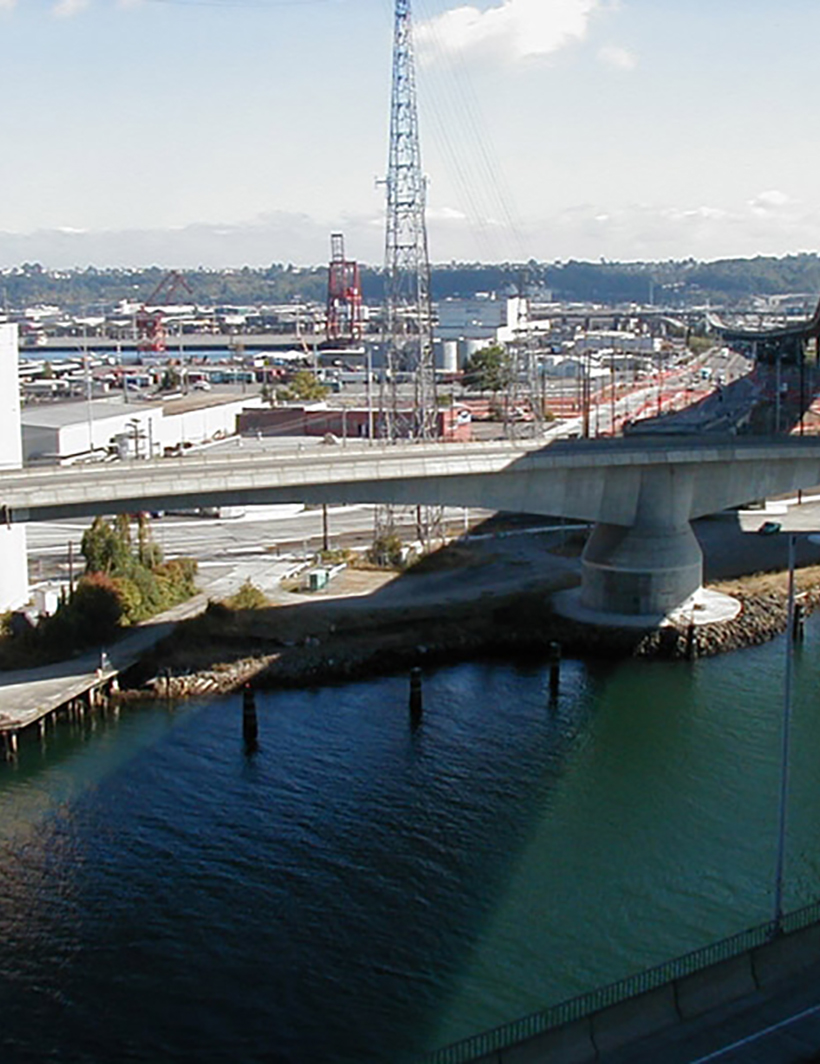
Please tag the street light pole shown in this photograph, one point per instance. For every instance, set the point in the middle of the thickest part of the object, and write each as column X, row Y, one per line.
column 784, row 749
column 88, row 390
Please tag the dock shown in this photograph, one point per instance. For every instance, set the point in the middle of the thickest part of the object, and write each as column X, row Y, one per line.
column 30, row 697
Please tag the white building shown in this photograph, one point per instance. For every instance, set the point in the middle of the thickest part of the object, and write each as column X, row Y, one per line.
column 618, row 340
column 13, row 562
column 61, row 433
column 481, row 318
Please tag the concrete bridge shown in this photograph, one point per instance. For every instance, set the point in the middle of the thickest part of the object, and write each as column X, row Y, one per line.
column 641, row 559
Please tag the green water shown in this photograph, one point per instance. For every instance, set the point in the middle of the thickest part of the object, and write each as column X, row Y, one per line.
column 362, row 891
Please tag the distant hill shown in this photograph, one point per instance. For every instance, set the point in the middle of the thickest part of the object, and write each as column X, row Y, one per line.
column 675, row 283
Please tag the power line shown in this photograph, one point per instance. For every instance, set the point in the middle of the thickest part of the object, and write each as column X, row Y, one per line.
column 493, row 193
column 238, row 3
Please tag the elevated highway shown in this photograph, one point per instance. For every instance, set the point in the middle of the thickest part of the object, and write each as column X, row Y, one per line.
column 641, row 559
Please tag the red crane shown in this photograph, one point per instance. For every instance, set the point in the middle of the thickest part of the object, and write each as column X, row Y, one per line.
column 344, row 295
column 150, row 322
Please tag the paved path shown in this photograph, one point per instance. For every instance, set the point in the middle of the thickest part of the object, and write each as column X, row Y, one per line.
column 27, row 695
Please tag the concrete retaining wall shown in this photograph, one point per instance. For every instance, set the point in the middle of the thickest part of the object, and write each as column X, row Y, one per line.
column 593, row 1037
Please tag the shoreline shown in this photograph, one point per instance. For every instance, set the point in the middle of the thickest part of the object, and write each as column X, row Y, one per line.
column 220, row 651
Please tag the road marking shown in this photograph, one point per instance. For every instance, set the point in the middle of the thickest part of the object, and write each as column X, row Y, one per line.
column 758, row 1034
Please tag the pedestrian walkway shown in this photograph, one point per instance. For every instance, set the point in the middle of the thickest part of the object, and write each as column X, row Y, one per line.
column 29, row 695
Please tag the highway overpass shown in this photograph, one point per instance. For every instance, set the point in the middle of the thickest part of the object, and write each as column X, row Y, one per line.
column 642, row 557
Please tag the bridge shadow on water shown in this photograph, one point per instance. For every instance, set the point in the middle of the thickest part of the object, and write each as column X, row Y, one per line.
column 338, row 970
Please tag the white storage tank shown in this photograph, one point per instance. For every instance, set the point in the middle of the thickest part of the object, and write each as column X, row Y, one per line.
column 448, row 357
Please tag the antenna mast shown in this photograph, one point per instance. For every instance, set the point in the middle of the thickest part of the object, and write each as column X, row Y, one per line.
column 407, row 308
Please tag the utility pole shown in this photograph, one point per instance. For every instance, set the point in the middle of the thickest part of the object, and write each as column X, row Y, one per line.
column 408, row 316
column 88, row 389
column 408, row 311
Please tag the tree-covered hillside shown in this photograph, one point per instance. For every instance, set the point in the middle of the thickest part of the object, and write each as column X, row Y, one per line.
column 670, row 283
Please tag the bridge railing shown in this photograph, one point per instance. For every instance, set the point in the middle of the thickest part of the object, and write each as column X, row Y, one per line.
column 577, row 1008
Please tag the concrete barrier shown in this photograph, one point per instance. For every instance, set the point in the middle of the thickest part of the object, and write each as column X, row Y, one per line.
column 570, row 1044
column 723, row 982
column 634, row 1018
column 595, row 1036
column 786, row 956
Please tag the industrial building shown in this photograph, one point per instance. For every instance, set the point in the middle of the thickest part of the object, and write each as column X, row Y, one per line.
column 466, row 325
column 62, row 433
column 452, row 423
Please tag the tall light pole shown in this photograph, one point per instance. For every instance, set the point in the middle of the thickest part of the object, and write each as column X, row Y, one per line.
column 784, row 747
column 88, row 390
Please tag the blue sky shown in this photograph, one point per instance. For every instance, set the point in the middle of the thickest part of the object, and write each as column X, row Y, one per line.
column 221, row 132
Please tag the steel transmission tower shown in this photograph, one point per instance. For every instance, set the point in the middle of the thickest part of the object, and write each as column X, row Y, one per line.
column 407, row 309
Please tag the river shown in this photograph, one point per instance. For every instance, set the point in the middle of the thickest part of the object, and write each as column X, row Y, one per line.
column 359, row 891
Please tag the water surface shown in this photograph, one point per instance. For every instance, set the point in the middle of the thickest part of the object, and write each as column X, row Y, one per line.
column 360, row 891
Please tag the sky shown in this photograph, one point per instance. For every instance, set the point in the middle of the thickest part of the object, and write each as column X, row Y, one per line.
column 224, row 133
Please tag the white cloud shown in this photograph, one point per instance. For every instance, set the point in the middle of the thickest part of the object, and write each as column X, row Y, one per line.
column 7, row 5
column 446, row 214
column 654, row 232
column 771, row 200
column 513, row 29
column 639, row 231
column 69, row 8
column 612, row 55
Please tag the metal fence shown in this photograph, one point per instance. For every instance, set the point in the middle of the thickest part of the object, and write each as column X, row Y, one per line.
column 509, row 1034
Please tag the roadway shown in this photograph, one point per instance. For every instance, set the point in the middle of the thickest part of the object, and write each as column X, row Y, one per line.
column 262, row 545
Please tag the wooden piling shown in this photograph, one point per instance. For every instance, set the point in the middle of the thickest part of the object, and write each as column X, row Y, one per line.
column 554, row 651
column 416, row 698
column 798, row 623
column 250, row 724
column 691, row 646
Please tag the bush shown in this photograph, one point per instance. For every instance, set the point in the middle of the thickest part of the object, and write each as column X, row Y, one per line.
column 387, row 550
column 248, row 597
column 91, row 616
column 130, row 597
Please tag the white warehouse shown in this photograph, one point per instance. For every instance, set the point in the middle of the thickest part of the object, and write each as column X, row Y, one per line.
column 58, row 434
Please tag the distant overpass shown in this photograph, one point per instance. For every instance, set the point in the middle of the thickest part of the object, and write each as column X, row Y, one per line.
column 642, row 557
column 786, row 341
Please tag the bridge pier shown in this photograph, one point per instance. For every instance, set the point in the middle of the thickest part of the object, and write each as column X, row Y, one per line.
column 639, row 571
column 644, row 570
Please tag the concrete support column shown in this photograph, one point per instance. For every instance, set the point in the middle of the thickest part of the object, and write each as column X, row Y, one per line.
column 653, row 566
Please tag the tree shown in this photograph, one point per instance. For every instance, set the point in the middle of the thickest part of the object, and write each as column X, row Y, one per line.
column 171, row 379
column 303, row 385
column 106, row 549
column 488, row 370
column 149, row 553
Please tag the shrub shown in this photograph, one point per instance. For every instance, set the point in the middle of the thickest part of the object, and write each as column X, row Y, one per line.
column 130, row 597
column 92, row 615
column 248, row 597
column 387, row 550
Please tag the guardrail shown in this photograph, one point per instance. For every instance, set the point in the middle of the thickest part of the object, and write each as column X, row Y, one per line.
column 577, row 1008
